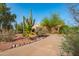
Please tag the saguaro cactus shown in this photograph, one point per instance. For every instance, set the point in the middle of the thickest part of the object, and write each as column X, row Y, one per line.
column 24, row 23
column 28, row 24
column 30, row 21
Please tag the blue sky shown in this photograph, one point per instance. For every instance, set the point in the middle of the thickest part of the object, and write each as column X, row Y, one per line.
column 40, row 10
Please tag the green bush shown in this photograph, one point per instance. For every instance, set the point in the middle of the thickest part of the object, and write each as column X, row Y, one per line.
column 70, row 44
column 41, row 31
column 19, row 28
column 64, row 29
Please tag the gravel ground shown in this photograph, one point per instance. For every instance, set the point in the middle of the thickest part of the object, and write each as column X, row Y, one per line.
column 20, row 41
column 49, row 46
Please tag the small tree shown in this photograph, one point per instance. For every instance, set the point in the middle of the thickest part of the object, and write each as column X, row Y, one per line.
column 46, row 22
column 6, row 17
column 53, row 22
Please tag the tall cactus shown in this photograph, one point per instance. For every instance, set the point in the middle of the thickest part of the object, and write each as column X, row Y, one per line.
column 28, row 23
column 24, row 23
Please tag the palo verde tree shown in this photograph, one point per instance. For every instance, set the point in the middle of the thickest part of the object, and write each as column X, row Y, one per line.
column 57, row 22
column 54, row 21
column 46, row 22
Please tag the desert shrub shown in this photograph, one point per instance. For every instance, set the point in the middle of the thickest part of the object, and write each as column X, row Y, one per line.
column 64, row 29
column 70, row 44
column 19, row 28
column 41, row 31
column 75, row 29
column 7, row 37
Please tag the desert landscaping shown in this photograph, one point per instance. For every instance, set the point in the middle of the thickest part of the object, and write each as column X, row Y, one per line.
column 28, row 31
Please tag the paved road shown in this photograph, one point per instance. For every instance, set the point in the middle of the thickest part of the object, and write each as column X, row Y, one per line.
column 46, row 47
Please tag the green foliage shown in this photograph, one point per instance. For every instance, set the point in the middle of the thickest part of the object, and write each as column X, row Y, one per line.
column 28, row 24
column 6, row 17
column 54, row 21
column 47, row 23
column 75, row 29
column 71, row 44
column 64, row 29
column 19, row 28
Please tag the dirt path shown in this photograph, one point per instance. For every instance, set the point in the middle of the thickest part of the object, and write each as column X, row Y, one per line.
column 46, row 47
